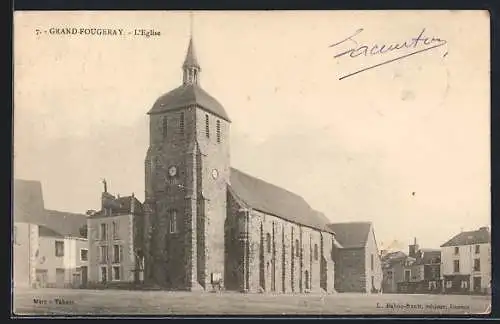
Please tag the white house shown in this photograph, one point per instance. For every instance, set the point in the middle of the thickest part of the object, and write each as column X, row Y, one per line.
column 466, row 262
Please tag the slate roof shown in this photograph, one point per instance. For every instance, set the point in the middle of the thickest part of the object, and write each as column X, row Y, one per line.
column 65, row 223
column 48, row 232
column 479, row 236
column 191, row 59
column 185, row 96
column 351, row 235
column 425, row 256
column 119, row 206
column 29, row 208
column 270, row 199
column 27, row 200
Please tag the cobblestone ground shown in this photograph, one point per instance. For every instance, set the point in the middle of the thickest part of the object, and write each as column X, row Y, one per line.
column 121, row 302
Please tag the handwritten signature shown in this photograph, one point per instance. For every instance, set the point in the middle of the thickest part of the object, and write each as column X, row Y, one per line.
column 419, row 44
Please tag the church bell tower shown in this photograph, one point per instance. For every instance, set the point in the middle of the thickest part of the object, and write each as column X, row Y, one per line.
column 187, row 170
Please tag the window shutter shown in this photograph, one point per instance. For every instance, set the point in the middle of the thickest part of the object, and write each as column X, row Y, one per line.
column 121, row 253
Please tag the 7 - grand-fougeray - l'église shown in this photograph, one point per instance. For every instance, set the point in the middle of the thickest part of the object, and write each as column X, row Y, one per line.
column 204, row 223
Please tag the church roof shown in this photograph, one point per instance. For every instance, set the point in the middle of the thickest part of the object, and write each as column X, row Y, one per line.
column 187, row 95
column 352, row 235
column 270, row 199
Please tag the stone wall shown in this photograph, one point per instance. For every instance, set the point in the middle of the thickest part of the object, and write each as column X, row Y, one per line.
column 281, row 255
column 350, row 270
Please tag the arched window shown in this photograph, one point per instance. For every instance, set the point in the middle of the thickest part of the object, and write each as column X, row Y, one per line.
column 306, row 279
column 297, row 248
column 173, row 221
column 316, row 252
column 207, row 126
column 164, row 126
column 268, row 242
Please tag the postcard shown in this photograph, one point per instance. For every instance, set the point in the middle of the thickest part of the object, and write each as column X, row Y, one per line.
column 251, row 163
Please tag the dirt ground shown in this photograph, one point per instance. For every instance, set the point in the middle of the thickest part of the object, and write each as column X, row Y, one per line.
column 122, row 302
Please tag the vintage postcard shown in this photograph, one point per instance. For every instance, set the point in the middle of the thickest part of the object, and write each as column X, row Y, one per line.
column 251, row 163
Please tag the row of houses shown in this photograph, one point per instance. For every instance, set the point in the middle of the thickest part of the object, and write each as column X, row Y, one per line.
column 461, row 265
column 54, row 249
column 104, row 247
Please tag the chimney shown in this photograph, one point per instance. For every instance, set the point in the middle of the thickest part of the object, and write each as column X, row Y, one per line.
column 413, row 249
column 132, row 203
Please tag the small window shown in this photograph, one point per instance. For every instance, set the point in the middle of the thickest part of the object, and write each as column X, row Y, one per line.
column 104, row 234
column 457, row 250
column 173, row 221
column 116, row 253
column 115, row 230
column 316, row 254
column 164, row 126
column 268, row 242
column 104, row 274
column 478, row 248
column 84, row 255
column 181, row 123
column 407, row 275
column 103, row 253
column 116, row 273
column 477, row 265
column 218, row 132
column 297, row 248
column 207, row 126
column 371, row 262
column 306, row 279
column 59, row 248
column 456, row 266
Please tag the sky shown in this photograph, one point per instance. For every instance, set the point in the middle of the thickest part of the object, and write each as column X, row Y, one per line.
column 404, row 145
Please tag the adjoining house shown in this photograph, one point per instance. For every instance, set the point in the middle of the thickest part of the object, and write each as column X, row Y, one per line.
column 115, row 241
column 393, row 265
column 466, row 262
column 358, row 267
column 49, row 247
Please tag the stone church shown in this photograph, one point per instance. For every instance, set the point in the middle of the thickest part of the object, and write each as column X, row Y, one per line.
column 207, row 223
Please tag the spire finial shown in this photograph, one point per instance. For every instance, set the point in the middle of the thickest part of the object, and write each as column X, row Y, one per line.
column 191, row 68
column 191, row 20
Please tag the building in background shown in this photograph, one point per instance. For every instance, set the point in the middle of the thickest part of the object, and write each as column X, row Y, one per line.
column 49, row 248
column 116, row 241
column 418, row 272
column 466, row 262
column 358, row 267
column 393, row 265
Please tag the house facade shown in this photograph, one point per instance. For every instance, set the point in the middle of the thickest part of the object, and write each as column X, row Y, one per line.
column 358, row 267
column 466, row 262
column 49, row 249
column 62, row 260
column 209, row 225
column 115, row 241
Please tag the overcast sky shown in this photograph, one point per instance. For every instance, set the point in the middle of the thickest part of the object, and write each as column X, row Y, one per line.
column 404, row 145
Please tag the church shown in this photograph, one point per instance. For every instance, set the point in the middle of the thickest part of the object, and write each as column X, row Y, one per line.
column 207, row 223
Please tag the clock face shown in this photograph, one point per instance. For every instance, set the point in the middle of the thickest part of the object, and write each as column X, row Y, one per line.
column 215, row 173
column 172, row 171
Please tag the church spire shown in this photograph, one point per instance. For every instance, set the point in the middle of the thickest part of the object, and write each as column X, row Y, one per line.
column 191, row 68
